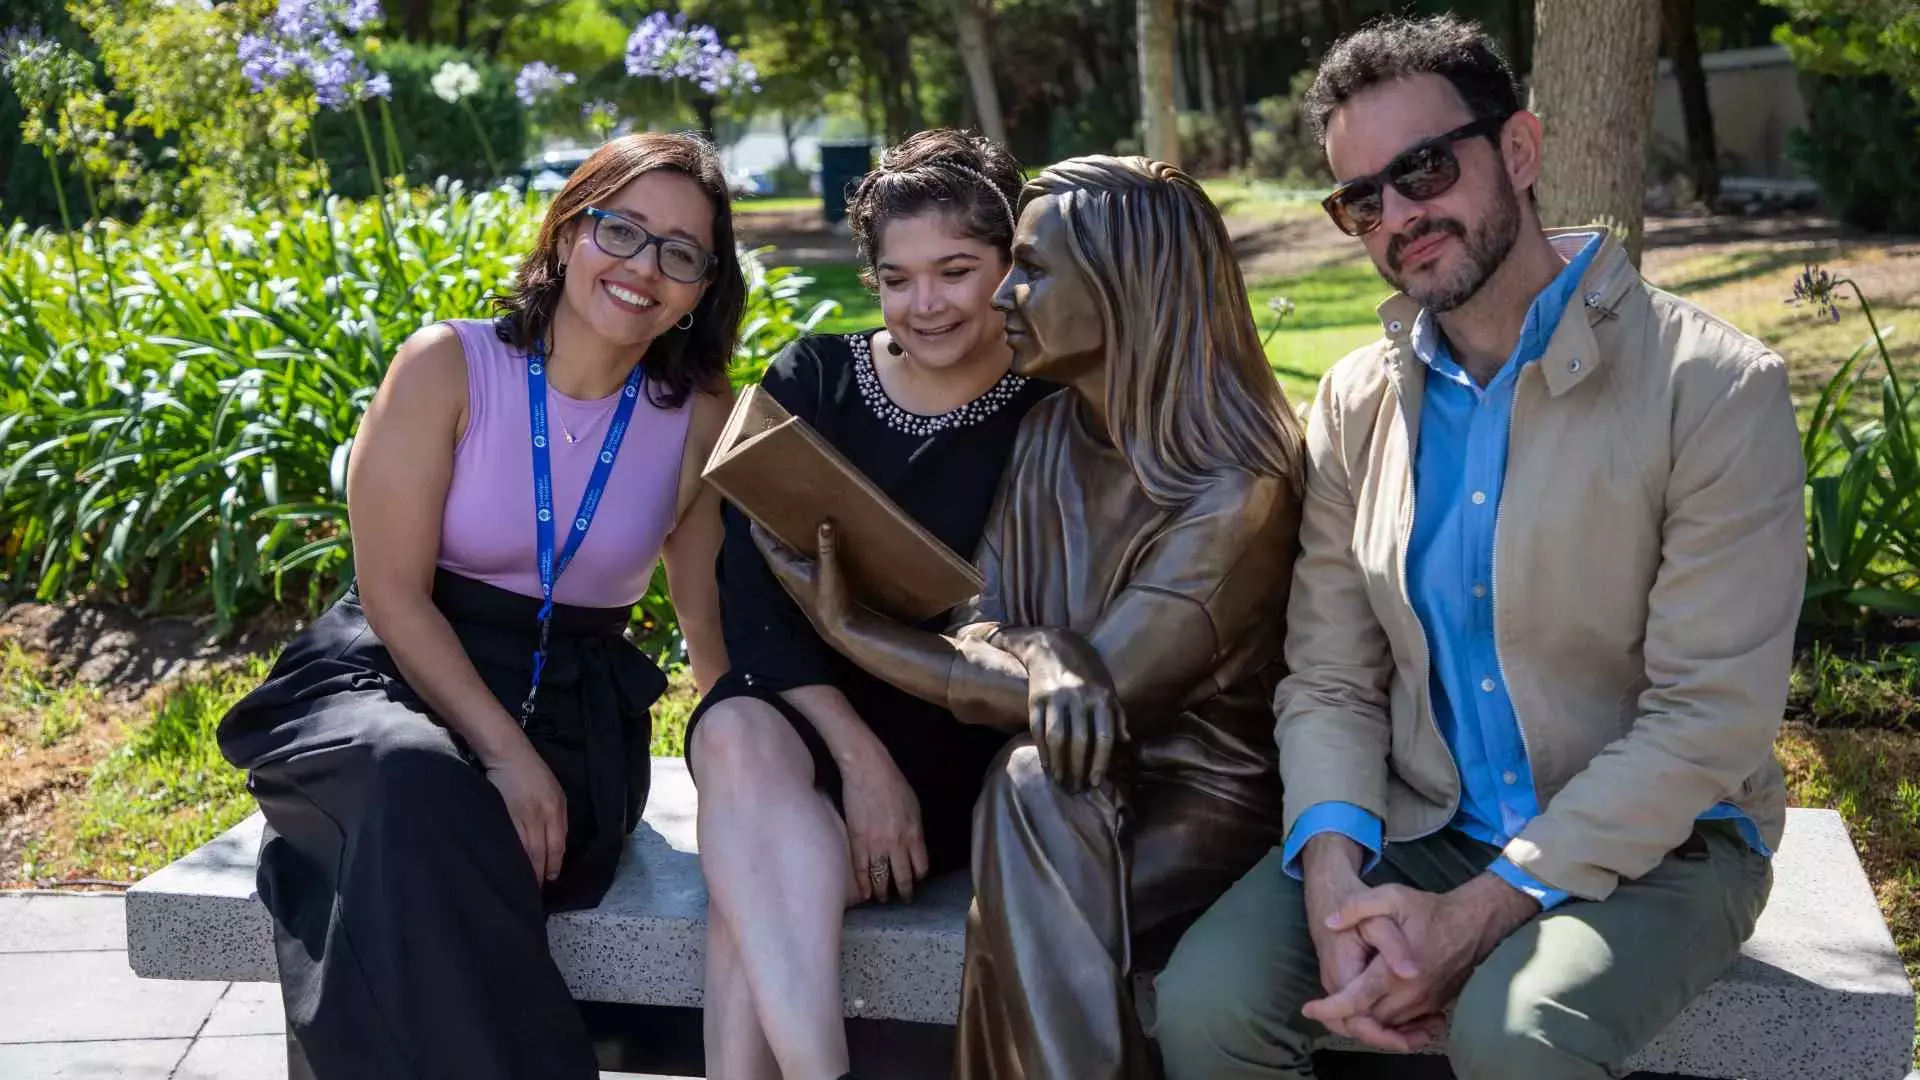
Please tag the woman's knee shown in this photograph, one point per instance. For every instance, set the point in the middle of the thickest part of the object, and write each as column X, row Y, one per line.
column 744, row 740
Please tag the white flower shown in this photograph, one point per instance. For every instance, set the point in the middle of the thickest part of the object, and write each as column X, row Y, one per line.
column 239, row 240
column 455, row 80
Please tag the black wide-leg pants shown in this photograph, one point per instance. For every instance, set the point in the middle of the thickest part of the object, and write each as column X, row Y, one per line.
column 409, row 927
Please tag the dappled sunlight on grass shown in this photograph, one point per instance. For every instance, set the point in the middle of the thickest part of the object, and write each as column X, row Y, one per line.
column 163, row 791
column 670, row 713
column 1749, row 287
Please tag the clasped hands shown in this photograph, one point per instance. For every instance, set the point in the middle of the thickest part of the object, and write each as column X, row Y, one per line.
column 1393, row 958
column 1073, row 710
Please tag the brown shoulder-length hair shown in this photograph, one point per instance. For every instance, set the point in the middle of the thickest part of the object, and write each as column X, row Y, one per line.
column 1189, row 392
column 679, row 361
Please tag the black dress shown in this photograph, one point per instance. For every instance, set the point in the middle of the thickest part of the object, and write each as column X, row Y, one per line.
column 944, row 471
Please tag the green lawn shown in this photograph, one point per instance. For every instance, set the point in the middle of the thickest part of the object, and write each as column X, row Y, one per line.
column 774, row 203
column 1333, row 315
column 859, row 309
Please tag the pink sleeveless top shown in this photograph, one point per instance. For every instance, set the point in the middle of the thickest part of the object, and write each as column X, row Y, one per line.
column 487, row 531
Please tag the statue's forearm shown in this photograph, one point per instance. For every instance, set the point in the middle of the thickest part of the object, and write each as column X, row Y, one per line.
column 978, row 683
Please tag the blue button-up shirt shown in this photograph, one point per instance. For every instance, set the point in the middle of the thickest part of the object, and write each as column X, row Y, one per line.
column 1459, row 470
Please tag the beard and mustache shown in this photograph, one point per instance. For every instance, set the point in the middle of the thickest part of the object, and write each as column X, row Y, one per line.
column 1486, row 245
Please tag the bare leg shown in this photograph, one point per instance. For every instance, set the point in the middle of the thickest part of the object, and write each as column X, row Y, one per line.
column 774, row 853
column 736, row 1047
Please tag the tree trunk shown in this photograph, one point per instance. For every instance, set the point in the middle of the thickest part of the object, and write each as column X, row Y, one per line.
column 789, row 126
column 1192, row 63
column 462, row 19
column 418, row 25
column 703, row 106
column 916, row 118
column 1334, row 17
column 971, row 22
column 1160, row 137
column 1703, row 152
column 1593, row 70
column 1518, row 39
column 1230, row 90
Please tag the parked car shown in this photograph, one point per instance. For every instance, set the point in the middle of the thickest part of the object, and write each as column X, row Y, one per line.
column 548, row 172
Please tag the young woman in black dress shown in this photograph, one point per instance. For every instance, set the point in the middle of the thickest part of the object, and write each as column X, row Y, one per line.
column 821, row 786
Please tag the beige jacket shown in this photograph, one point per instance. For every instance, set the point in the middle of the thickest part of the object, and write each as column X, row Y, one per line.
column 1649, row 558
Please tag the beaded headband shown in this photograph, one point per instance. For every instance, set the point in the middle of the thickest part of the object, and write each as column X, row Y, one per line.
column 984, row 182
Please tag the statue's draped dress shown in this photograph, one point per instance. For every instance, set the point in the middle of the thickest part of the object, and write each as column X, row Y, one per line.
column 1073, row 889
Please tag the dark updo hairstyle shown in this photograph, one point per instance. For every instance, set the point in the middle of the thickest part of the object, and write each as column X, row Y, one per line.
column 969, row 177
column 678, row 362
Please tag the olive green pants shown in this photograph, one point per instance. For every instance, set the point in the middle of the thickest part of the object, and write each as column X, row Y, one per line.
column 1571, row 995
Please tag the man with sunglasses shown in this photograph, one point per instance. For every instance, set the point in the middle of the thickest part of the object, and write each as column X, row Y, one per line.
column 1552, row 559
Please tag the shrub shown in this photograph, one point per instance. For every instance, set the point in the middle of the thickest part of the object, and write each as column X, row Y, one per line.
column 1283, row 146
column 435, row 138
column 1862, row 146
column 186, row 448
column 1863, row 482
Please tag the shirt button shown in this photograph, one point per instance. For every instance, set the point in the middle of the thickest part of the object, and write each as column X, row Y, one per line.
column 1510, row 777
column 1394, row 327
column 1479, row 591
column 1486, row 685
column 1479, row 497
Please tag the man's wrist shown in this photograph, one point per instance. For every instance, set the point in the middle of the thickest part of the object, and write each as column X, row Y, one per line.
column 1332, row 855
column 1498, row 907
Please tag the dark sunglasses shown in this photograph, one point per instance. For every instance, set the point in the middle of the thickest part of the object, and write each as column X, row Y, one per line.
column 682, row 260
column 1425, row 170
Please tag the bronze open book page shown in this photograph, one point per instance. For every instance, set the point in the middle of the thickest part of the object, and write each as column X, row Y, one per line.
column 782, row 474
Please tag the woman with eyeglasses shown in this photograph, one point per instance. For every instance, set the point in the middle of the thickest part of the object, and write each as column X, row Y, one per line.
column 459, row 746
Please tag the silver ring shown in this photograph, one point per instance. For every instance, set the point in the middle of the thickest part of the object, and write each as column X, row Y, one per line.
column 879, row 870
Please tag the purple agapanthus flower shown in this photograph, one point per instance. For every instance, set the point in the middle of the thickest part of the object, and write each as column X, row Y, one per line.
column 669, row 48
column 539, row 80
column 40, row 69
column 1817, row 286
column 305, row 38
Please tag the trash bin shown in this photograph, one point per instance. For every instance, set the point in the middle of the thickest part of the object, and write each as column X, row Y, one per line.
column 842, row 164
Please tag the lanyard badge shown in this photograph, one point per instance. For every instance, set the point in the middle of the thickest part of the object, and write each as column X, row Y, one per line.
column 552, row 565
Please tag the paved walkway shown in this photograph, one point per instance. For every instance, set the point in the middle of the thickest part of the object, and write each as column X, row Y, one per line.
column 70, row 1007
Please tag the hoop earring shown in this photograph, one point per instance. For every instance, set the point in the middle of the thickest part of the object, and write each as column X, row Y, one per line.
column 562, row 272
column 685, row 323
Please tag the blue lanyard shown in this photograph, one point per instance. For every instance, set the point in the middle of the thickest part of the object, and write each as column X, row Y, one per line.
column 551, row 567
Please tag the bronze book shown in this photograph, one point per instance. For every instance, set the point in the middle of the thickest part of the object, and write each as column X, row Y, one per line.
column 782, row 474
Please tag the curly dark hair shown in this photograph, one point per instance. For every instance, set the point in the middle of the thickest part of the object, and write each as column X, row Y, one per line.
column 1394, row 48
column 971, row 177
column 679, row 361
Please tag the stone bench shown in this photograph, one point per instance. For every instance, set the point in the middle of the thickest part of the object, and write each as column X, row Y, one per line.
column 1819, row 993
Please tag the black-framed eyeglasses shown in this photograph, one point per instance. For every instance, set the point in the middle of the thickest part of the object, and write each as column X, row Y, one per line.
column 1425, row 170
column 682, row 260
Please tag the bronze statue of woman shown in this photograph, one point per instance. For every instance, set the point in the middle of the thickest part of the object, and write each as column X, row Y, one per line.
column 1136, row 571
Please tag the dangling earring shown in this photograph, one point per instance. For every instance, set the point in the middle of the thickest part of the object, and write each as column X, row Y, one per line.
column 894, row 349
column 686, row 322
column 562, row 272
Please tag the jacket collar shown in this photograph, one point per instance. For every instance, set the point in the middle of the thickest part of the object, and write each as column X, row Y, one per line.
column 1573, row 353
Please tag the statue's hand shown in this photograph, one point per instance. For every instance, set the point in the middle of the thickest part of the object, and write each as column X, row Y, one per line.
column 816, row 585
column 1073, row 710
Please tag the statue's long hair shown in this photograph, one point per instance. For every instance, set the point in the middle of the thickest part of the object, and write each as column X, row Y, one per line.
column 1189, row 392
